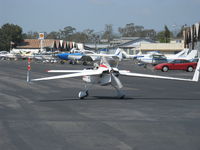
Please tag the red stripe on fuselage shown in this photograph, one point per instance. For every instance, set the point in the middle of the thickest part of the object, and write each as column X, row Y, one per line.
column 104, row 66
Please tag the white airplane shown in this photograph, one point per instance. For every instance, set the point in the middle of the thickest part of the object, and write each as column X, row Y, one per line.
column 86, row 56
column 156, row 58
column 45, row 57
column 3, row 54
column 106, row 73
column 123, row 54
column 152, row 58
column 118, row 55
column 184, row 54
column 9, row 56
column 75, row 56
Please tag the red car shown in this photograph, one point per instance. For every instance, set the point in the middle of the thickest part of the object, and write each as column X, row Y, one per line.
column 177, row 64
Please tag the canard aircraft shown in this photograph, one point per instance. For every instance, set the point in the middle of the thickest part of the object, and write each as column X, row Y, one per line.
column 103, row 74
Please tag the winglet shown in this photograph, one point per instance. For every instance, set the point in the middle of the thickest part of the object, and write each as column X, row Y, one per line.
column 29, row 70
column 196, row 73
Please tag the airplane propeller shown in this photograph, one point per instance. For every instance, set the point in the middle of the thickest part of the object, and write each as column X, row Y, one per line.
column 118, row 82
column 116, row 79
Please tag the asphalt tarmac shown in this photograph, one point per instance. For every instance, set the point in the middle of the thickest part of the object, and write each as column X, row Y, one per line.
column 47, row 115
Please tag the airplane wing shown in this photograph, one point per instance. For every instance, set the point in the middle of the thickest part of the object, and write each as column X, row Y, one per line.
column 127, row 73
column 67, row 71
column 79, row 74
column 194, row 79
column 101, row 55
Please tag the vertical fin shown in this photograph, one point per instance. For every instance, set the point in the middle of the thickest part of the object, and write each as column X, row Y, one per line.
column 118, row 53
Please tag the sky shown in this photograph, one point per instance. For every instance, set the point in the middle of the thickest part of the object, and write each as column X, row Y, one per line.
column 52, row 15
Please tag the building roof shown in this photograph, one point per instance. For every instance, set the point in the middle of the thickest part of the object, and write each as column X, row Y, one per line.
column 35, row 43
column 47, row 43
column 135, row 43
column 97, row 46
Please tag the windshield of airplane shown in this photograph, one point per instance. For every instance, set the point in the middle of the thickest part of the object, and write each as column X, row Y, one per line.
column 159, row 56
column 88, row 52
column 113, row 62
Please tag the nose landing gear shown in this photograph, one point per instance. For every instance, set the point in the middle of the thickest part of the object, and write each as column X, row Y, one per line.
column 83, row 94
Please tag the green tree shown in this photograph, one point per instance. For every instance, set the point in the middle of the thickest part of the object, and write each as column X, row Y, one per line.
column 85, row 36
column 10, row 33
column 128, row 30
column 78, row 37
column 132, row 30
column 67, row 32
column 53, row 35
column 180, row 33
column 167, row 34
column 108, row 33
column 89, row 33
column 164, row 36
column 161, row 37
column 31, row 35
column 149, row 33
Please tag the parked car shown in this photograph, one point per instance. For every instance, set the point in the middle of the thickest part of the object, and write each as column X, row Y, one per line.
column 177, row 64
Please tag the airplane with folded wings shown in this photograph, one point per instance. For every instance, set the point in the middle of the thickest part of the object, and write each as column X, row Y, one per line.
column 103, row 74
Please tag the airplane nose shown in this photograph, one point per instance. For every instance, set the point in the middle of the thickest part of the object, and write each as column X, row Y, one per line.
column 58, row 55
column 62, row 56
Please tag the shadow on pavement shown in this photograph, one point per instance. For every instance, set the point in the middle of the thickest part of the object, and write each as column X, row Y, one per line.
column 95, row 98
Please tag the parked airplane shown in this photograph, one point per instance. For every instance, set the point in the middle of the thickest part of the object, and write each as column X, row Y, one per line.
column 125, row 55
column 85, row 56
column 184, row 54
column 3, row 55
column 9, row 56
column 45, row 57
column 25, row 55
column 157, row 58
column 105, row 74
column 152, row 58
column 74, row 56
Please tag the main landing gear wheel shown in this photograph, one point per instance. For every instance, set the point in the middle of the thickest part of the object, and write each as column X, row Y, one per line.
column 122, row 97
column 84, row 63
column 82, row 94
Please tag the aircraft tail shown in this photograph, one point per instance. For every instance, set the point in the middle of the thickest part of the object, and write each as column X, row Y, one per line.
column 192, row 54
column 196, row 73
column 122, row 54
column 119, row 54
column 182, row 53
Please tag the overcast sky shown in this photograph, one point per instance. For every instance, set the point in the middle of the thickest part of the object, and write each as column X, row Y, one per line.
column 52, row 15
